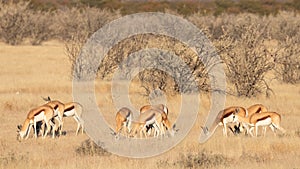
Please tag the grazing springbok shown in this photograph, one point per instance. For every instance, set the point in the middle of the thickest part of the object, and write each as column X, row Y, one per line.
column 163, row 109
column 43, row 113
column 256, row 108
column 155, row 117
column 123, row 121
column 151, row 117
column 271, row 119
column 59, row 108
column 224, row 117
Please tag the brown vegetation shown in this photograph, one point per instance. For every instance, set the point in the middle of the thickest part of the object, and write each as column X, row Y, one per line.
column 269, row 43
column 28, row 81
column 271, row 51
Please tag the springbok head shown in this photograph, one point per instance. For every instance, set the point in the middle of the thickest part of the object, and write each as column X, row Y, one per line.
column 235, row 113
column 19, row 127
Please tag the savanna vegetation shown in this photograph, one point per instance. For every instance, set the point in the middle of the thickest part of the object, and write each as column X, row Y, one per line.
column 258, row 42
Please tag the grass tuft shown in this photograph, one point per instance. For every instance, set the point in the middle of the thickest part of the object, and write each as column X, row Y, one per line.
column 202, row 159
column 88, row 147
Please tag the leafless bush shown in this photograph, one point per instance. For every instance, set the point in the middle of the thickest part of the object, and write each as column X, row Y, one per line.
column 288, row 61
column 72, row 50
column 247, row 57
column 210, row 25
column 41, row 26
column 285, row 28
column 283, row 25
column 19, row 22
column 14, row 22
column 70, row 22
column 173, row 68
column 75, row 32
column 242, row 42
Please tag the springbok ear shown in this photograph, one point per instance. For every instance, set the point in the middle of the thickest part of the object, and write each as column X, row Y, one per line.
column 19, row 127
column 45, row 99
column 174, row 126
column 48, row 99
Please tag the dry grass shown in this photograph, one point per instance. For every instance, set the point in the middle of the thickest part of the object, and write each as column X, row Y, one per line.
column 28, row 72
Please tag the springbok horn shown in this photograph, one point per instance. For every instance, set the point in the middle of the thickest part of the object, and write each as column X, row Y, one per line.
column 46, row 99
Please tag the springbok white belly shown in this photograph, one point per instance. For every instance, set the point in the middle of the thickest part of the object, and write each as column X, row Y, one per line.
column 228, row 119
column 39, row 117
column 151, row 121
column 69, row 113
column 264, row 122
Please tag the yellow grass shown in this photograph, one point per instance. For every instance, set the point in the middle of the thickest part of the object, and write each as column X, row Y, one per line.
column 29, row 72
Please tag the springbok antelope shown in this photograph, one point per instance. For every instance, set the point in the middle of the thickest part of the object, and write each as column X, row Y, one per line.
column 163, row 109
column 257, row 108
column 271, row 119
column 151, row 117
column 74, row 109
column 71, row 109
column 155, row 117
column 43, row 113
column 224, row 117
column 123, row 120
column 59, row 108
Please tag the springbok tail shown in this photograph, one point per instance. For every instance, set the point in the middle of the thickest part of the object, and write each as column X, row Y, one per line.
column 279, row 128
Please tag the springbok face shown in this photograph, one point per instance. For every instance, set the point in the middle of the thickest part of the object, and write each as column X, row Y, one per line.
column 19, row 137
column 235, row 113
column 19, row 127
column 173, row 130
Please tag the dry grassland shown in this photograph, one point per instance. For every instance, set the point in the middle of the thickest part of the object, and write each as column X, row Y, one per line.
column 29, row 72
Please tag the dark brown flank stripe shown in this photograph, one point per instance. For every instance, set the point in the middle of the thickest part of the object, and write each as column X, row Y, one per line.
column 38, row 112
column 69, row 108
column 263, row 118
column 227, row 114
column 150, row 117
